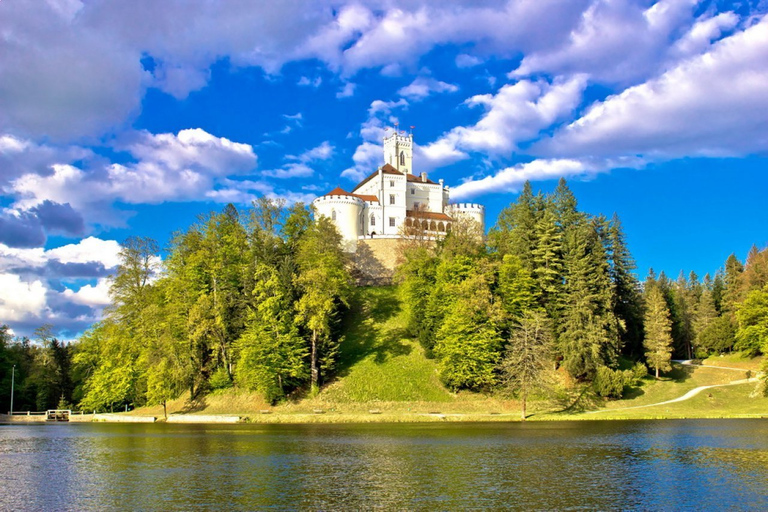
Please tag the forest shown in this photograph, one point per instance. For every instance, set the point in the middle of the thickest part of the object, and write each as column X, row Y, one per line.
column 254, row 300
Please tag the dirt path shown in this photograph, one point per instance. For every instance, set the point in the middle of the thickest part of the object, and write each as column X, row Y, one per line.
column 692, row 393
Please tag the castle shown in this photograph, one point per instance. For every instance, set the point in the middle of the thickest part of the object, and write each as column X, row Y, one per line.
column 393, row 197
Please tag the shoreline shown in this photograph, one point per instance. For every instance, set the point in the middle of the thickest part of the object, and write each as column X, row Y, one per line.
column 342, row 418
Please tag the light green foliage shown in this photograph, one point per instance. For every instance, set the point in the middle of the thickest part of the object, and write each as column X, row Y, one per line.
column 658, row 338
column 271, row 352
column 325, row 285
column 468, row 343
column 752, row 315
column 528, row 356
column 610, row 383
column 515, row 287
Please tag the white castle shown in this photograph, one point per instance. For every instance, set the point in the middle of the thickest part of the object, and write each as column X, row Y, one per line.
column 391, row 197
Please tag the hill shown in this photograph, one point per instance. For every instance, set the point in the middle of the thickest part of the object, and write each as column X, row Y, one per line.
column 383, row 375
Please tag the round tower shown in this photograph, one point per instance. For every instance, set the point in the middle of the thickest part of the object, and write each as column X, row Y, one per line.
column 472, row 211
column 346, row 212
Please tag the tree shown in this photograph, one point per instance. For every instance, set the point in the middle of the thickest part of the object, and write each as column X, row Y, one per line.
column 658, row 327
column 752, row 315
column 271, row 353
column 324, row 285
column 468, row 342
column 589, row 337
column 527, row 356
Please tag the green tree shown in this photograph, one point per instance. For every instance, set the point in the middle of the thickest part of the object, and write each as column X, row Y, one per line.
column 324, row 285
column 752, row 315
column 589, row 337
column 527, row 357
column 658, row 327
column 627, row 304
column 271, row 351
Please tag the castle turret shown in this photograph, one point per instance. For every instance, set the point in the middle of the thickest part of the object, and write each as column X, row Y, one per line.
column 346, row 212
column 472, row 211
column 398, row 151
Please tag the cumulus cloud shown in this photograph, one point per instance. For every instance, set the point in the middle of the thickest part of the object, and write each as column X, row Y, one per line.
column 710, row 105
column 422, row 87
column 56, row 285
column 511, row 179
column 516, row 113
column 167, row 167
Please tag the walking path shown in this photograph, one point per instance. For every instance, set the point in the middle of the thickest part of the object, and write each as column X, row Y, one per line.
column 692, row 393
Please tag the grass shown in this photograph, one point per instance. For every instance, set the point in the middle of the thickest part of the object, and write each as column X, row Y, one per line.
column 384, row 376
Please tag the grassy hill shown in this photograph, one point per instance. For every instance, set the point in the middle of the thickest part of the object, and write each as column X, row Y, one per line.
column 383, row 375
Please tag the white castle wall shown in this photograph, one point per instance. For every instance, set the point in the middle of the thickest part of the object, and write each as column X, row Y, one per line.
column 346, row 212
column 472, row 211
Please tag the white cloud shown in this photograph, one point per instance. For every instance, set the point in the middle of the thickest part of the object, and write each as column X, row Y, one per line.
column 616, row 42
column 511, row 179
column 347, row 91
column 516, row 113
column 422, row 87
column 467, row 61
column 21, row 299
column 169, row 167
column 88, row 295
column 87, row 250
column 710, row 105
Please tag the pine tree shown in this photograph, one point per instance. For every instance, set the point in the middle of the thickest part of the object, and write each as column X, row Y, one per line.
column 527, row 356
column 658, row 327
column 589, row 337
column 627, row 301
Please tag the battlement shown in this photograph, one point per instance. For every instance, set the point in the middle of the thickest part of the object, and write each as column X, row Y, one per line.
column 467, row 206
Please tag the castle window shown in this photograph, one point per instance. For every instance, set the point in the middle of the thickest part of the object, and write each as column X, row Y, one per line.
column 391, row 222
column 391, row 199
column 333, row 214
column 402, row 158
column 373, row 220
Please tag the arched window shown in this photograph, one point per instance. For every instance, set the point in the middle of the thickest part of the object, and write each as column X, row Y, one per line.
column 373, row 220
column 333, row 214
column 402, row 158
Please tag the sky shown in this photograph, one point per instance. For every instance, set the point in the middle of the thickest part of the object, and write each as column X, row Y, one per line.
column 132, row 118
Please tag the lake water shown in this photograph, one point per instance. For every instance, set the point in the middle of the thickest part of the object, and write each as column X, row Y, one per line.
column 667, row 465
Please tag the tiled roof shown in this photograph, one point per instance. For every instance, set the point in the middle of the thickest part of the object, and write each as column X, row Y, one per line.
column 338, row 191
column 428, row 215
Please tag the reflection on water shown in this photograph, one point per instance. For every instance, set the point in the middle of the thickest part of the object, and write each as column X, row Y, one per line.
column 713, row 464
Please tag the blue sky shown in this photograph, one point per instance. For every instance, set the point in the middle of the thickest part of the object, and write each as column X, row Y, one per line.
column 120, row 118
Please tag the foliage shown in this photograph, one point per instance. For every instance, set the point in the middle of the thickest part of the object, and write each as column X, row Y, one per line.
column 528, row 356
column 658, row 339
column 752, row 315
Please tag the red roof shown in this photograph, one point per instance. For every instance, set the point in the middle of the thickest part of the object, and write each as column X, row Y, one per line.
column 338, row 191
column 428, row 215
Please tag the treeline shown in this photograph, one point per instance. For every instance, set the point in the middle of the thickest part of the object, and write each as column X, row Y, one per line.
column 254, row 299
column 39, row 370
column 719, row 314
column 560, row 284
column 250, row 299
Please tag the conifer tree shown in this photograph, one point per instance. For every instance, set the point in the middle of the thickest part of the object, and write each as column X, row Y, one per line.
column 627, row 299
column 527, row 356
column 658, row 339
column 589, row 336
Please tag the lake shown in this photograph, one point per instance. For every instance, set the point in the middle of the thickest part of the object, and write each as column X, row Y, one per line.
column 670, row 465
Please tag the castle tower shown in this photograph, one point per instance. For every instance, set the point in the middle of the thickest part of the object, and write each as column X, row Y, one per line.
column 398, row 151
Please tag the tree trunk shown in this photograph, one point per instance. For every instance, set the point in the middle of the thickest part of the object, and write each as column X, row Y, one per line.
column 523, row 413
column 314, row 370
